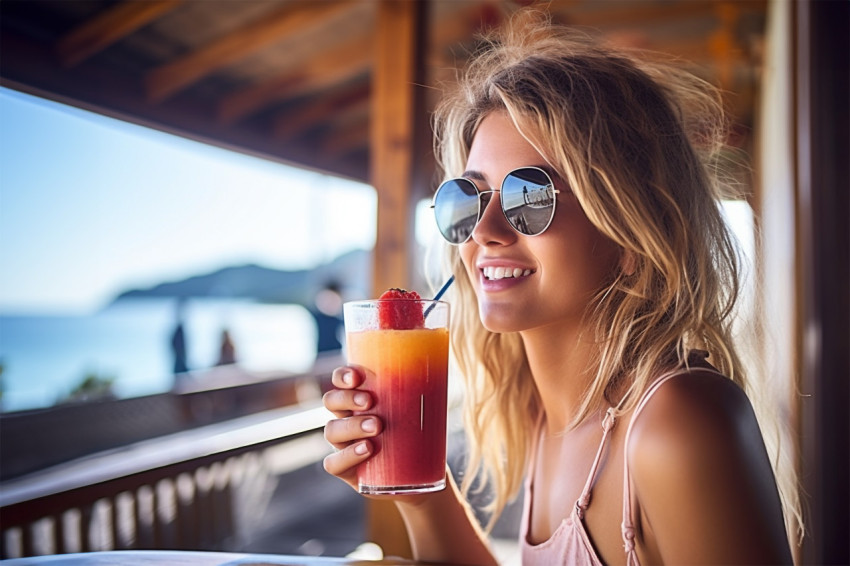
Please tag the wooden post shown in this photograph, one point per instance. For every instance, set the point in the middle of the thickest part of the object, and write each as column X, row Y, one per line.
column 822, row 91
column 397, row 71
column 395, row 75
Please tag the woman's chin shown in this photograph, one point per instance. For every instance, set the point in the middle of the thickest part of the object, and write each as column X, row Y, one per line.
column 499, row 320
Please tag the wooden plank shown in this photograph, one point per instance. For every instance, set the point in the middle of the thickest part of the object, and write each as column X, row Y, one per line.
column 604, row 15
column 329, row 67
column 111, row 25
column 723, row 43
column 295, row 17
column 349, row 136
column 290, row 124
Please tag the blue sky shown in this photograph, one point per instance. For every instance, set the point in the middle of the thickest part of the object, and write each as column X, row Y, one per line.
column 90, row 206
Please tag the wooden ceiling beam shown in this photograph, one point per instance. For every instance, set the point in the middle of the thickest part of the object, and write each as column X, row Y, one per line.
column 723, row 44
column 304, row 117
column 349, row 133
column 328, row 67
column 345, row 141
column 294, row 18
column 638, row 14
column 111, row 25
column 461, row 25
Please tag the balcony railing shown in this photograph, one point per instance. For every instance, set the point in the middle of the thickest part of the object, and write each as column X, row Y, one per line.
column 187, row 490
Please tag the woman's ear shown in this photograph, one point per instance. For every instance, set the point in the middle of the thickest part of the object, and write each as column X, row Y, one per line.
column 628, row 263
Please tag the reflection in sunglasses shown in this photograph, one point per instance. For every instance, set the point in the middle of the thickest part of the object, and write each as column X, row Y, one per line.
column 538, row 197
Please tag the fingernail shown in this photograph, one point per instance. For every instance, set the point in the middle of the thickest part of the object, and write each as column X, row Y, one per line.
column 348, row 378
column 361, row 448
column 369, row 425
column 361, row 399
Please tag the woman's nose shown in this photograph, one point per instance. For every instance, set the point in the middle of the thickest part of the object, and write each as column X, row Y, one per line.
column 492, row 227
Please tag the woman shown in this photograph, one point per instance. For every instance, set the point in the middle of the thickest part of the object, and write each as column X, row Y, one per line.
column 592, row 311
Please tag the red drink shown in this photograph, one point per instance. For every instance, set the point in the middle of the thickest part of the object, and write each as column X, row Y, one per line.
column 407, row 376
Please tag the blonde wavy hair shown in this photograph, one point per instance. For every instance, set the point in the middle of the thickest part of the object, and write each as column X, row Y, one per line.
column 637, row 141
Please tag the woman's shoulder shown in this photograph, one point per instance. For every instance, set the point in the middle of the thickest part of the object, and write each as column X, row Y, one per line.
column 696, row 439
column 695, row 413
column 694, row 452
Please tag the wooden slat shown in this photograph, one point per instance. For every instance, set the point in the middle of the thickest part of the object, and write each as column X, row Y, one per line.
column 348, row 137
column 638, row 14
column 292, row 123
column 296, row 17
column 329, row 67
column 115, row 23
column 723, row 43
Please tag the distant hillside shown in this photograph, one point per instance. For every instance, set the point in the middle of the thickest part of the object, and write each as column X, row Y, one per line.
column 352, row 271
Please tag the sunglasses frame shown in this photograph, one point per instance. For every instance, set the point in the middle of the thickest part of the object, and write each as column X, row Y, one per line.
column 481, row 208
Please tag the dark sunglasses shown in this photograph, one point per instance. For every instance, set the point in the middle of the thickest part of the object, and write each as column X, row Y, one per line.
column 527, row 198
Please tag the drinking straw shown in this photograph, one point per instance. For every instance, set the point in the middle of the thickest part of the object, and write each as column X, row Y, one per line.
column 439, row 294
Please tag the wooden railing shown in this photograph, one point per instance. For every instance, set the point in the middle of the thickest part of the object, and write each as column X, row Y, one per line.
column 172, row 492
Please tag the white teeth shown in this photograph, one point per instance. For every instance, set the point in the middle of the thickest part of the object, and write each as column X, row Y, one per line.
column 495, row 273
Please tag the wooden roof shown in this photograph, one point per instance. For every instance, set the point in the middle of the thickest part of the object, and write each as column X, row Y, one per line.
column 292, row 80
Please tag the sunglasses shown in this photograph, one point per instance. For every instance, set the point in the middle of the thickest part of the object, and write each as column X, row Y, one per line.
column 527, row 199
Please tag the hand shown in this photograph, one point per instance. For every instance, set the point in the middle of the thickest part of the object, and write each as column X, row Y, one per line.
column 349, row 434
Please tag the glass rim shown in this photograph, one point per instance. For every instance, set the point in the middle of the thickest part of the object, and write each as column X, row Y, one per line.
column 367, row 302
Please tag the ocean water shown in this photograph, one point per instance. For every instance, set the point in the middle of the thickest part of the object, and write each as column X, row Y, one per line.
column 44, row 357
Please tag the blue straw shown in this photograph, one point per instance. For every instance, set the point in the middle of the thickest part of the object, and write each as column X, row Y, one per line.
column 439, row 294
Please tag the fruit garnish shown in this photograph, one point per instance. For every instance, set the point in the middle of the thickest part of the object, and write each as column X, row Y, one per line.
column 400, row 310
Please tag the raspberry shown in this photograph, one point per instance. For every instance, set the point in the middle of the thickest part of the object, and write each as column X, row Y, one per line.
column 400, row 310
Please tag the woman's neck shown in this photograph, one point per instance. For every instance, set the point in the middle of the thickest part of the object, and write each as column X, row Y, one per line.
column 560, row 364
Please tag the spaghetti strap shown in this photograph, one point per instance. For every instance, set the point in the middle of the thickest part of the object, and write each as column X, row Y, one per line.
column 584, row 500
column 628, row 526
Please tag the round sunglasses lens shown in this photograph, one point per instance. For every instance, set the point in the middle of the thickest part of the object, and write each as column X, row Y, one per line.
column 456, row 209
column 528, row 199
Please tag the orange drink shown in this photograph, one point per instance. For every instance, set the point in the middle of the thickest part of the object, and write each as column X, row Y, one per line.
column 407, row 376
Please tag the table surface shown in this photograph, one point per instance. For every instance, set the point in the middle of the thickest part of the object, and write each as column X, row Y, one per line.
column 189, row 558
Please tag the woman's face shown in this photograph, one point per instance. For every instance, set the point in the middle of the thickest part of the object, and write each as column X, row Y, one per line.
column 557, row 272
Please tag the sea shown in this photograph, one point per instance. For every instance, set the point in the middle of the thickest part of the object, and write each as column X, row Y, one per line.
column 44, row 357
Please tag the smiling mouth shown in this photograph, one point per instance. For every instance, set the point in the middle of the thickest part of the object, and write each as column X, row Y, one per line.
column 496, row 273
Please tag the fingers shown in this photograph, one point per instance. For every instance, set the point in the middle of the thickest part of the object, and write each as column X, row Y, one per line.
column 345, row 399
column 343, row 464
column 343, row 403
column 342, row 432
column 350, row 436
column 347, row 377
column 349, row 433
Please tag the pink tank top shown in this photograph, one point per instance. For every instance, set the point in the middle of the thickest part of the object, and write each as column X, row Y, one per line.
column 570, row 543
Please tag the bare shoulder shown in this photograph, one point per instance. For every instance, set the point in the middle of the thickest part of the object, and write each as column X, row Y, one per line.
column 696, row 453
column 691, row 412
column 696, row 425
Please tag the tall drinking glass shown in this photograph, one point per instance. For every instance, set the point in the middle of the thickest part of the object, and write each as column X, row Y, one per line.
column 407, row 375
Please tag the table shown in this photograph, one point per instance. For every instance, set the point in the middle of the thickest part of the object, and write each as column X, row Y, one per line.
column 190, row 558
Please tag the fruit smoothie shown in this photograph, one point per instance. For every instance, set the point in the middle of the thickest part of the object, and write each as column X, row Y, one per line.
column 407, row 376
